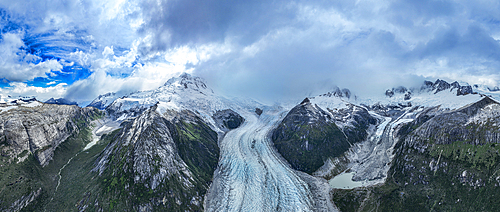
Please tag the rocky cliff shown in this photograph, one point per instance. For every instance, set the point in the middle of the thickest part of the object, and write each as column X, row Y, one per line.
column 307, row 137
column 159, row 162
column 445, row 160
column 37, row 128
column 37, row 140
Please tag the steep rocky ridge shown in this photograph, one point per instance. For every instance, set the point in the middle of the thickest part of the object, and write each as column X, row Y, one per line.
column 103, row 101
column 167, row 160
column 37, row 141
column 308, row 136
column 445, row 160
column 38, row 128
column 227, row 119
column 476, row 124
column 430, row 87
column 354, row 121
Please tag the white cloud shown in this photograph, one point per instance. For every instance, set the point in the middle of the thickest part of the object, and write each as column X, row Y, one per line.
column 252, row 48
column 19, row 89
column 18, row 65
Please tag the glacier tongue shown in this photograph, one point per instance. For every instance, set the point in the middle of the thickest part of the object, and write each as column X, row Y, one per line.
column 369, row 161
column 251, row 176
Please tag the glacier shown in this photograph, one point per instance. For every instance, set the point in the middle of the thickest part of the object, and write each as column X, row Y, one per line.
column 251, row 176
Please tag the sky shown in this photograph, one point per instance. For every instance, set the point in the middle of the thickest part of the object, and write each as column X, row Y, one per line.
column 269, row 50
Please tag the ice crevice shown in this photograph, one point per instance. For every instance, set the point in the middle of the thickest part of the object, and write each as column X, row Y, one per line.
column 251, row 176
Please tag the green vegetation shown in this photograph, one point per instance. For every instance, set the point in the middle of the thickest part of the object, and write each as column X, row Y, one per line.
column 197, row 145
column 307, row 147
column 115, row 189
column 477, row 156
column 466, row 178
column 78, row 184
column 21, row 179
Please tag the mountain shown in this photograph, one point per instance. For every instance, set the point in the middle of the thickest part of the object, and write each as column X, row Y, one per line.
column 307, row 136
column 38, row 128
column 103, row 101
column 159, row 162
column 179, row 93
column 445, row 129
column 183, row 147
column 35, row 140
column 430, row 87
column 444, row 160
column 60, row 101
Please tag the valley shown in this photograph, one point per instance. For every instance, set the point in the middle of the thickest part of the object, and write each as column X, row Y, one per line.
column 182, row 147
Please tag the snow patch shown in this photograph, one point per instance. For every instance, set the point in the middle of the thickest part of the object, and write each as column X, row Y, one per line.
column 4, row 109
column 33, row 104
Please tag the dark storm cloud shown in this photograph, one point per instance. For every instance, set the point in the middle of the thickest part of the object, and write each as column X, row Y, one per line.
column 367, row 46
column 268, row 50
column 174, row 23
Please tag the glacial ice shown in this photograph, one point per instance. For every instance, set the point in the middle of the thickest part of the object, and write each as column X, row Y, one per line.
column 251, row 176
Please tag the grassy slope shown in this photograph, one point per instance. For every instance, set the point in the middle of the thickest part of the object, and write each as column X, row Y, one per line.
column 413, row 186
column 197, row 146
column 114, row 190
column 21, row 179
column 324, row 140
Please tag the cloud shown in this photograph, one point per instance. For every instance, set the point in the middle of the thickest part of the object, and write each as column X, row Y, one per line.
column 366, row 46
column 268, row 50
column 19, row 89
column 18, row 65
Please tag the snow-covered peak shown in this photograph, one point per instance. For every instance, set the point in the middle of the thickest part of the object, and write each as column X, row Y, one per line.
column 186, row 81
column 335, row 99
column 430, row 87
column 438, row 93
column 60, row 101
column 103, row 101
column 178, row 93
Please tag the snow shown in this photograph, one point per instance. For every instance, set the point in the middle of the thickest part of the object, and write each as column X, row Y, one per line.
column 101, row 127
column 333, row 102
column 103, row 101
column 381, row 127
column 489, row 111
column 251, row 176
column 447, row 99
column 183, row 93
column 164, row 106
column 4, row 109
column 370, row 159
column 33, row 104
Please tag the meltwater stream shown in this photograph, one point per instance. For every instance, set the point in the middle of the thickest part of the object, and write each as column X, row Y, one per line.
column 251, row 176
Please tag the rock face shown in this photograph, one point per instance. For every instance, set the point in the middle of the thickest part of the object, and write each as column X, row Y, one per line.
column 60, row 101
column 102, row 101
column 337, row 92
column 39, row 128
column 307, row 137
column 227, row 120
column 445, row 160
column 172, row 155
column 354, row 122
column 476, row 124
column 24, row 201
column 431, row 87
